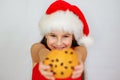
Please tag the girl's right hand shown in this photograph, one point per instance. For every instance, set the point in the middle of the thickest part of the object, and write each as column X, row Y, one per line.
column 43, row 69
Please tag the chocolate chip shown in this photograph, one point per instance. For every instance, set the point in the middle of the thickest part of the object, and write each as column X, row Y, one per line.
column 66, row 52
column 71, row 52
column 52, row 60
column 54, row 73
column 62, row 73
column 65, row 67
column 61, row 64
column 55, row 66
column 72, row 67
column 47, row 58
column 57, row 60
column 51, row 70
column 50, row 65
column 70, row 62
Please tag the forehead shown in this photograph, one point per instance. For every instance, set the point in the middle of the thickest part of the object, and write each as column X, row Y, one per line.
column 60, row 32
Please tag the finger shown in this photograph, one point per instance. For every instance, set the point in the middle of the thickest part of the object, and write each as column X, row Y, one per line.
column 46, row 73
column 76, row 76
column 50, row 77
column 78, row 71
column 44, row 67
column 81, row 66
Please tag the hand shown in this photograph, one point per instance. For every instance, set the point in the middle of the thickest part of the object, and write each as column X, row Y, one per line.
column 43, row 69
column 78, row 71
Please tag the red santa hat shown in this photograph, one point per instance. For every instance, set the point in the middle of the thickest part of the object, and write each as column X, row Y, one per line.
column 61, row 15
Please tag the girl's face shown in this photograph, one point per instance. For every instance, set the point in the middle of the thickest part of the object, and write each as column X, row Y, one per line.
column 59, row 40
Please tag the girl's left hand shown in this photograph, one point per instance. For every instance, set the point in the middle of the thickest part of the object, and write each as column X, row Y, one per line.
column 78, row 71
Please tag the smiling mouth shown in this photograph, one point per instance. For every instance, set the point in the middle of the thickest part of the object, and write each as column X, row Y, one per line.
column 59, row 48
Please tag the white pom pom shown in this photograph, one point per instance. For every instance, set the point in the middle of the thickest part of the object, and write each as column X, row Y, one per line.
column 86, row 41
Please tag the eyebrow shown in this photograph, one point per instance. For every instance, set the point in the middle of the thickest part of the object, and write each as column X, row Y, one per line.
column 51, row 33
column 67, row 34
column 63, row 34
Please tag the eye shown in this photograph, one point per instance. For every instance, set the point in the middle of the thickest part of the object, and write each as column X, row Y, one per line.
column 52, row 35
column 66, row 36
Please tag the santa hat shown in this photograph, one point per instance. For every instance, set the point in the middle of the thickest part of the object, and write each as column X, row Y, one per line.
column 61, row 15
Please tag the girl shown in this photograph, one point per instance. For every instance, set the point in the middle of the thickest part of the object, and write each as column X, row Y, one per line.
column 63, row 26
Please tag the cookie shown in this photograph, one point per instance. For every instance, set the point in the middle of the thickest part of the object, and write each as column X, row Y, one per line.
column 62, row 62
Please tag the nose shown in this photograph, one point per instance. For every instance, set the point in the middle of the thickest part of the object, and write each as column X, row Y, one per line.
column 59, row 42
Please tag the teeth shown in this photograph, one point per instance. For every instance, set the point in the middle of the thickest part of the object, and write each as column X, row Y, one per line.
column 58, row 47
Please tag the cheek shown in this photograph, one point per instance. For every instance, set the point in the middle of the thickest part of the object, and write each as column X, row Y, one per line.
column 50, row 41
column 68, row 42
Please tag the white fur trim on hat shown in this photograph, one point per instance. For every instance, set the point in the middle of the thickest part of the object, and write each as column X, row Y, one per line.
column 86, row 41
column 61, row 20
column 65, row 21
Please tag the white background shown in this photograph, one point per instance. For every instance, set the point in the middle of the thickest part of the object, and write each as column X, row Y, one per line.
column 19, row 30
